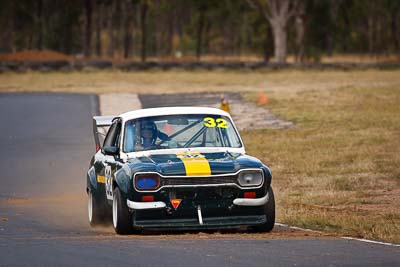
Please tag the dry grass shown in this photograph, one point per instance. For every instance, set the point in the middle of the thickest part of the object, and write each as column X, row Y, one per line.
column 337, row 170
column 354, row 58
column 286, row 82
column 337, row 58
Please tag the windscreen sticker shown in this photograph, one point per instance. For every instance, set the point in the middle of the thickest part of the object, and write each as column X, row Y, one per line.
column 211, row 122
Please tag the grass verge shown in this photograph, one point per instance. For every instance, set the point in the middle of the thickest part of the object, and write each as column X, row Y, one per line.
column 287, row 82
column 338, row 170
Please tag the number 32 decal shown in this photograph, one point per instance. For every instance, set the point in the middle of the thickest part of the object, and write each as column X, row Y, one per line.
column 211, row 122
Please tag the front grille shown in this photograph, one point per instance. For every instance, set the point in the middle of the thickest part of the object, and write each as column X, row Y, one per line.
column 195, row 180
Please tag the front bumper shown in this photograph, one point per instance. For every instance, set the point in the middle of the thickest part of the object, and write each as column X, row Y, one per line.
column 145, row 205
column 202, row 208
column 251, row 201
column 160, row 204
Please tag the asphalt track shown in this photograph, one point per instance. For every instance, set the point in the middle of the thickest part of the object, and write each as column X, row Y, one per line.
column 46, row 144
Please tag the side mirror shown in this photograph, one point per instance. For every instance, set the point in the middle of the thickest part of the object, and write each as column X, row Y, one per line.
column 110, row 150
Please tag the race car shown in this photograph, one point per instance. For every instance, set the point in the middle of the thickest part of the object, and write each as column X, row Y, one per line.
column 176, row 168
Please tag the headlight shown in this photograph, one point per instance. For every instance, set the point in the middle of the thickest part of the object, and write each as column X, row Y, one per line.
column 147, row 181
column 251, row 178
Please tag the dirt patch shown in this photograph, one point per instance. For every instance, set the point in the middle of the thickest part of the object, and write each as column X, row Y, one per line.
column 278, row 232
column 53, row 199
column 34, row 55
column 247, row 115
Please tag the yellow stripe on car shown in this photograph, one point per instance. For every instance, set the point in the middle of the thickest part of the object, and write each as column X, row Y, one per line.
column 195, row 164
column 101, row 179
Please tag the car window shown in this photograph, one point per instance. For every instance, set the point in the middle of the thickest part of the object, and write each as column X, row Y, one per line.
column 129, row 144
column 113, row 135
column 180, row 131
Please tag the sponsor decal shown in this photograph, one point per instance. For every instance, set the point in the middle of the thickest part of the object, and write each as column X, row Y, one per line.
column 101, row 179
column 175, row 203
column 108, row 182
column 195, row 164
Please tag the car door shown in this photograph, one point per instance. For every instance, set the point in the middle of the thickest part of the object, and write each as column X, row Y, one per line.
column 111, row 162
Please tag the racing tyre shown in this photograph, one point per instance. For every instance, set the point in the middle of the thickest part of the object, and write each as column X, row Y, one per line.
column 96, row 211
column 122, row 218
column 269, row 211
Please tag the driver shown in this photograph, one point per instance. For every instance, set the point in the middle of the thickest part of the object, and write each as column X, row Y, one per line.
column 149, row 134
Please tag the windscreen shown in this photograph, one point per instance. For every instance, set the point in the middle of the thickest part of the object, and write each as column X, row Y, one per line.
column 180, row 131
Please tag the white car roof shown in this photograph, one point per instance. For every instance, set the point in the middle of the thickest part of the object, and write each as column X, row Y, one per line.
column 150, row 112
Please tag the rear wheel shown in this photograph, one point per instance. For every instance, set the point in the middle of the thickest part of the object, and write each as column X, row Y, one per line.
column 96, row 211
column 269, row 211
column 122, row 218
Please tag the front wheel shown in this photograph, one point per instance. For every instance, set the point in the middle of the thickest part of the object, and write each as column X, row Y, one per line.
column 96, row 211
column 269, row 211
column 122, row 218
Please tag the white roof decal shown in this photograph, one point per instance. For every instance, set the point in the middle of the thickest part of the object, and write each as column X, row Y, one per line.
column 149, row 112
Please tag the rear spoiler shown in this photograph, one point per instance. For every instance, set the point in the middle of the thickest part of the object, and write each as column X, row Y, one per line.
column 98, row 123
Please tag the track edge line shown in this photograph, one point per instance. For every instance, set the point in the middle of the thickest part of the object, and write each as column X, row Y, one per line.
column 342, row 237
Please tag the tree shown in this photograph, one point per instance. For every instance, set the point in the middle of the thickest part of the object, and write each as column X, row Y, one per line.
column 300, row 32
column 394, row 7
column 40, row 24
column 202, row 10
column 111, row 35
column 88, row 28
column 128, row 12
column 98, row 7
column 333, row 13
column 277, row 13
column 143, row 24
